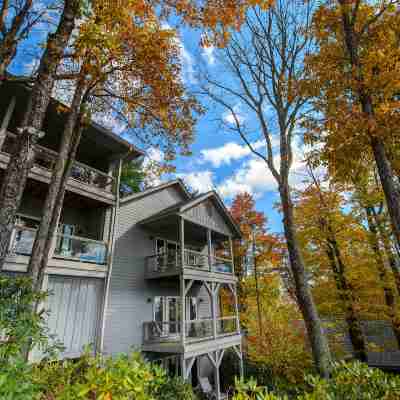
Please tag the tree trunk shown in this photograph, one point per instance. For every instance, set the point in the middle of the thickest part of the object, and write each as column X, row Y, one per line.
column 392, row 258
column 257, row 286
column 354, row 326
column 392, row 194
column 317, row 338
column 59, row 201
column 36, row 266
column 388, row 291
column 22, row 161
column 9, row 42
column 10, row 195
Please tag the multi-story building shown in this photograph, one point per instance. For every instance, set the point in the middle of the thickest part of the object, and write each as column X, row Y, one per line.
column 152, row 271
column 80, row 262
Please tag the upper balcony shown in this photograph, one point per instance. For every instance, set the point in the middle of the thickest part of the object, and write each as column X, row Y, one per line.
column 193, row 239
column 195, row 262
column 97, row 160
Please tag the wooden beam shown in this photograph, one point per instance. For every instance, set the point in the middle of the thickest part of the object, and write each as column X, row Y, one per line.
column 213, row 310
column 188, row 286
column 211, row 358
column 189, row 367
column 6, row 120
column 221, row 355
column 209, row 247
column 182, row 280
column 232, row 257
column 209, row 290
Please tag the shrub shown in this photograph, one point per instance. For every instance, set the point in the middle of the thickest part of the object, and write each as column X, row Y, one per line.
column 352, row 381
column 21, row 328
column 124, row 377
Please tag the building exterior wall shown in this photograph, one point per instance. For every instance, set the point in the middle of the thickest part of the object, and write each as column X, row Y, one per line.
column 206, row 214
column 130, row 295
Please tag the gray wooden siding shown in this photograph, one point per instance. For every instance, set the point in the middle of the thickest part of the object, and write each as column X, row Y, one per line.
column 75, row 307
column 208, row 215
column 130, row 298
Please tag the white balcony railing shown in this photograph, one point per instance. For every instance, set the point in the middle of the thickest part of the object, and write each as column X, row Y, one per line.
column 171, row 261
column 46, row 158
column 196, row 330
column 67, row 246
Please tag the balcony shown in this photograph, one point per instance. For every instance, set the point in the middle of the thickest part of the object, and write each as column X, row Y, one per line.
column 170, row 263
column 201, row 330
column 84, row 179
column 68, row 247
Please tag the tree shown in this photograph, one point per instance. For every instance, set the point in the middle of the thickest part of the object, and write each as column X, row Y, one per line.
column 111, row 52
column 354, row 80
column 265, row 65
column 254, row 253
column 320, row 222
column 132, row 178
column 216, row 20
column 23, row 156
column 17, row 19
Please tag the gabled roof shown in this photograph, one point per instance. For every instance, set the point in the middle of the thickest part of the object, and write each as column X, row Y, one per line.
column 192, row 202
column 177, row 182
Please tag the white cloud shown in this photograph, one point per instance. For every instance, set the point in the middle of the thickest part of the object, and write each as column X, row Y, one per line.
column 229, row 118
column 228, row 152
column 208, row 54
column 255, row 177
column 201, row 181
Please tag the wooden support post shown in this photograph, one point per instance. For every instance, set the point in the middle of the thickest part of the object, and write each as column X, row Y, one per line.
column 182, row 241
column 213, row 310
column 217, row 378
column 233, row 289
column 231, row 250
column 209, row 247
column 182, row 280
column 183, row 367
column 6, row 121
column 241, row 362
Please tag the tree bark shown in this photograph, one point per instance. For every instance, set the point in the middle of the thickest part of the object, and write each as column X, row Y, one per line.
column 388, row 291
column 392, row 194
column 22, row 161
column 9, row 42
column 391, row 257
column 59, row 201
column 253, row 245
column 353, row 323
column 317, row 338
column 36, row 265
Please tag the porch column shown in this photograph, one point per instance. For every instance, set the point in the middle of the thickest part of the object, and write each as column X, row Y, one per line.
column 182, row 281
column 6, row 120
column 232, row 257
column 215, row 289
column 209, row 247
column 234, row 293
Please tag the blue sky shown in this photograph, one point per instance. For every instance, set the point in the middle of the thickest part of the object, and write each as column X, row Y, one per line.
column 220, row 159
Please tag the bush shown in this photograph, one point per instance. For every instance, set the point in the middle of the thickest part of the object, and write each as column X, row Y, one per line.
column 352, row 381
column 124, row 377
column 21, row 328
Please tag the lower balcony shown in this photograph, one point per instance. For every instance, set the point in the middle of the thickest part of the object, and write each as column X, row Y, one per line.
column 69, row 251
column 164, row 336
